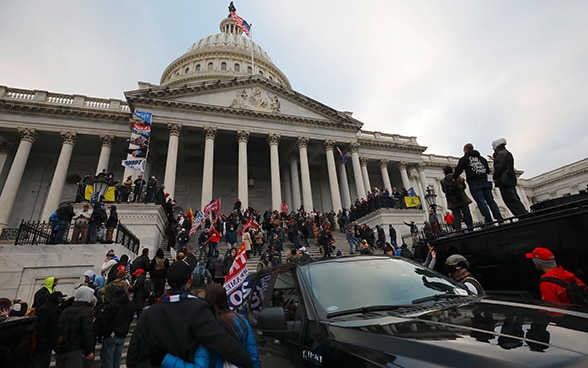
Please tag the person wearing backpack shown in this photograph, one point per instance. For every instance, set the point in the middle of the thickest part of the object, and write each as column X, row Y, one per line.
column 75, row 332
column 113, row 325
column 457, row 201
column 557, row 284
column 200, row 276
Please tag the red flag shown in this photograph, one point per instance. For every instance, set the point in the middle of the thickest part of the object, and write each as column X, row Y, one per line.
column 246, row 226
column 237, row 283
column 212, row 206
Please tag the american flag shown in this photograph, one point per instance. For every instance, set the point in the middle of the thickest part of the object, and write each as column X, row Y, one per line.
column 241, row 23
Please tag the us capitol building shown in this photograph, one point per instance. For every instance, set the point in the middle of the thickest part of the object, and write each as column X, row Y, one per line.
column 222, row 127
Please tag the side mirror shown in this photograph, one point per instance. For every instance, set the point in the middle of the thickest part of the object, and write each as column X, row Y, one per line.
column 272, row 321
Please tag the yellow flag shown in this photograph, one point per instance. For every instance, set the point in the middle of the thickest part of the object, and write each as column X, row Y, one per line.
column 411, row 201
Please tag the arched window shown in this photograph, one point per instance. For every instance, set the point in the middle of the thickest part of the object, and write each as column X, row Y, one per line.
column 237, row 67
column 198, row 67
column 209, row 66
column 223, row 66
column 249, row 70
column 187, row 71
column 260, row 72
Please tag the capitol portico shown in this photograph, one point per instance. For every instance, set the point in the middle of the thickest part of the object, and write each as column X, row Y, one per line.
column 226, row 124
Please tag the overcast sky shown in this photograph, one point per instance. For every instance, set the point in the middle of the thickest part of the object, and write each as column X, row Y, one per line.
column 447, row 72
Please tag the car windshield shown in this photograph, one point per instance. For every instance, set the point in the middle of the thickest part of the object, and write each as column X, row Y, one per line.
column 361, row 283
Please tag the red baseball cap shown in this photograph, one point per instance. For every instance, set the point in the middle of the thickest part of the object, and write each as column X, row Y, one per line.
column 541, row 254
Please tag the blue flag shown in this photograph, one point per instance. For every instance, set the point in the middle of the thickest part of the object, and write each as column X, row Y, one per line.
column 145, row 116
column 411, row 192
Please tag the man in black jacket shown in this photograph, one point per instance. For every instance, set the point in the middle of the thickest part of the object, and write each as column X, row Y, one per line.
column 476, row 169
column 64, row 213
column 46, row 329
column 114, row 322
column 505, row 178
column 178, row 325
column 79, row 329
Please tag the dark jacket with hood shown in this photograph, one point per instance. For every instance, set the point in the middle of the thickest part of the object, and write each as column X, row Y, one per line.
column 81, row 327
column 116, row 317
column 475, row 167
column 504, row 174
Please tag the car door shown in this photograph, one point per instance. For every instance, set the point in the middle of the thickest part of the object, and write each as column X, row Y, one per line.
column 278, row 288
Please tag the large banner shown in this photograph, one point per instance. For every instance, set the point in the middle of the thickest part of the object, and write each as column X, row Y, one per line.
column 108, row 197
column 237, row 283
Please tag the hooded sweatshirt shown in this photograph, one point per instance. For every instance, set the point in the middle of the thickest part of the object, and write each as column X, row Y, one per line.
column 42, row 294
column 475, row 166
column 554, row 292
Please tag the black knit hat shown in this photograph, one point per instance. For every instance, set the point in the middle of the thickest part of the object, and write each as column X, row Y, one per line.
column 178, row 274
column 447, row 170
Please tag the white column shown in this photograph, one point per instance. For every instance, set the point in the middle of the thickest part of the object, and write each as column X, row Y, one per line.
column 171, row 164
column 422, row 179
column 296, row 200
column 8, row 196
column 332, row 171
column 104, row 159
column 385, row 176
column 274, row 139
column 404, row 174
column 56, row 188
column 364, row 173
column 344, row 185
column 207, row 171
column 3, row 155
column 361, row 191
column 242, row 170
column 287, row 189
column 305, row 174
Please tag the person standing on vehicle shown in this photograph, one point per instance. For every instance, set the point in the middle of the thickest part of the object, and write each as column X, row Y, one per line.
column 180, row 323
column 551, row 290
column 457, row 200
column 476, row 169
column 505, row 178
column 459, row 270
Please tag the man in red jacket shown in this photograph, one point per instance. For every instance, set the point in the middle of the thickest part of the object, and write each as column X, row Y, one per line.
column 544, row 261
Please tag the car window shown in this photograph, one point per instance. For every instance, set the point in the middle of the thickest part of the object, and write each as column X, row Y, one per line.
column 358, row 283
column 285, row 294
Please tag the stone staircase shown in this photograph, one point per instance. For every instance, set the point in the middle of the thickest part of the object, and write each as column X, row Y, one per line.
column 313, row 249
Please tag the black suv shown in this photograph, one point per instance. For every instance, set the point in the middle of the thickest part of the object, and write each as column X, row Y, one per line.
column 377, row 311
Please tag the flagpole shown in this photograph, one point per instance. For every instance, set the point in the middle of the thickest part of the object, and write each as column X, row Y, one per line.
column 251, row 38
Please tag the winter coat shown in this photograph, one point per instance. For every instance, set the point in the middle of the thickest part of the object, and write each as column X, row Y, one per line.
column 465, row 200
column 179, row 326
column 205, row 358
column 554, row 292
column 504, row 174
column 81, row 328
column 116, row 317
column 138, row 290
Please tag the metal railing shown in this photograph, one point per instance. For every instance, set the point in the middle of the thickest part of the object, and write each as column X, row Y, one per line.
column 39, row 232
column 127, row 239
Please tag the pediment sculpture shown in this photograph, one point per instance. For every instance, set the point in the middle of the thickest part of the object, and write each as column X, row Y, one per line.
column 254, row 99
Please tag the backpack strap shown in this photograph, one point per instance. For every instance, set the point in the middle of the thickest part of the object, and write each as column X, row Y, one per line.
column 555, row 281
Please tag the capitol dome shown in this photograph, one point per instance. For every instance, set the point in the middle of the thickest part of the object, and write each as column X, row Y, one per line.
column 223, row 55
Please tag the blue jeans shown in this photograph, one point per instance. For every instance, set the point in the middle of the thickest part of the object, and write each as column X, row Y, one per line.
column 482, row 193
column 111, row 353
column 467, row 216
